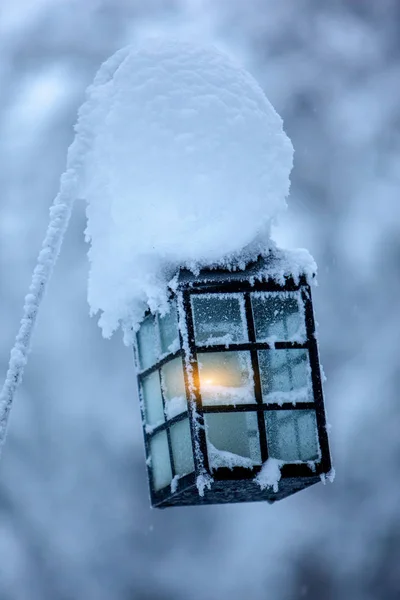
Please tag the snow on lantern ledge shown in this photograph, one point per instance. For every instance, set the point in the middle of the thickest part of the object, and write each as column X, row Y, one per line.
column 230, row 385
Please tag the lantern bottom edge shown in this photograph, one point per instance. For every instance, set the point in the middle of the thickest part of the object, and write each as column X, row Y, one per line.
column 234, row 491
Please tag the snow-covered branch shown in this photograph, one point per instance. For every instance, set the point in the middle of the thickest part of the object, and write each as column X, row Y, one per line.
column 60, row 214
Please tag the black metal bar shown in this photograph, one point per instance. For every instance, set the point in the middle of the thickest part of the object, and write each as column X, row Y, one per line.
column 316, row 380
column 146, row 441
column 238, row 285
column 226, row 408
column 288, row 470
column 166, row 424
column 197, row 427
column 159, row 364
column 184, row 342
column 171, row 455
column 301, row 469
column 256, row 375
column 252, row 346
column 162, row 495
column 229, row 408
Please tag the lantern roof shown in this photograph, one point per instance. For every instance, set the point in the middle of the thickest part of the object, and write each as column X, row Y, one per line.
column 277, row 265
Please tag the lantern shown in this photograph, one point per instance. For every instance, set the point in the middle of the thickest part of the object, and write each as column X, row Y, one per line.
column 230, row 388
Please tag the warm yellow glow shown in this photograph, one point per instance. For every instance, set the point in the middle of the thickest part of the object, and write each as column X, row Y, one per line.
column 219, row 381
column 224, row 378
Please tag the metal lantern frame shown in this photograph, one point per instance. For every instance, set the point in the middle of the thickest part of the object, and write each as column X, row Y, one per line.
column 235, row 484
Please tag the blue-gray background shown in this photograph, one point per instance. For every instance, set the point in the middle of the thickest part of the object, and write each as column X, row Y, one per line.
column 74, row 512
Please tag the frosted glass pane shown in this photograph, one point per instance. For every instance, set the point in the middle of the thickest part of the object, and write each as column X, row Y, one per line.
column 169, row 336
column 174, row 388
column 153, row 405
column 277, row 316
column 285, row 376
column 219, row 319
column 292, row 435
column 232, row 439
column 160, row 461
column 307, row 427
column 147, row 343
column 226, row 378
column 181, row 443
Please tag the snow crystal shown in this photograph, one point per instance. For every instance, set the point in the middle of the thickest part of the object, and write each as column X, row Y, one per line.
column 270, row 474
column 189, row 165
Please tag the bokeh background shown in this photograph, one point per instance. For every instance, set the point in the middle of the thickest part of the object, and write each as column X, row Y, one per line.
column 75, row 520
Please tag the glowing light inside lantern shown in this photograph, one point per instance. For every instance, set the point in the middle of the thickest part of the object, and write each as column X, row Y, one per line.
column 226, row 378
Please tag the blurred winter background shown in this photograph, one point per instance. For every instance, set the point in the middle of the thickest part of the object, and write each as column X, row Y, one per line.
column 75, row 520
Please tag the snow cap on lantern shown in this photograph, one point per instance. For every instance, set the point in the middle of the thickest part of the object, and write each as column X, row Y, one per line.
column 189, row 166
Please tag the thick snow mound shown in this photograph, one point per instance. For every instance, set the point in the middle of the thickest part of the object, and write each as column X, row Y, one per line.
column 188, row 164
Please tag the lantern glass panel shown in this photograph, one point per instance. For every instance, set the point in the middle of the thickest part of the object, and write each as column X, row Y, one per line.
column 181, row 443
column 292, row 435
column 169, row 333
column 226, row 378
column 160, row 461
column 147, row 343
column 173, row 388
column 219, row 319
column 153, row 404
column 232, row 439
column 278, row 316
column 285, row 375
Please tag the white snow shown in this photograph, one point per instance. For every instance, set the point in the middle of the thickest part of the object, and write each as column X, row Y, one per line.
column 221, row 458
column 270, row 474
column 223, row 394
column 174, row 406
column 174, row 484
column 203, row 481
column 151, row 428
column 282, row 263
column 303, row 394
column 189, row 166
column 328, row 476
